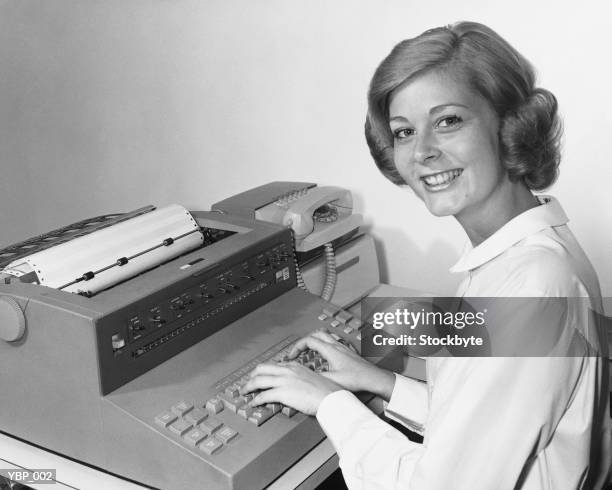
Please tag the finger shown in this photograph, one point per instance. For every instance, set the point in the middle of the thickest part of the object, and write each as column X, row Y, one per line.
column 269, row 396
column 324, row 335
column 321, row 346
column 268, row 369
column 298, row 347
column 301, row 344
column 261, row 382
column 290, row 364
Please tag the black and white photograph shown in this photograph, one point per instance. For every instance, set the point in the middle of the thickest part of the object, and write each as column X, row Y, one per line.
column 282, row 245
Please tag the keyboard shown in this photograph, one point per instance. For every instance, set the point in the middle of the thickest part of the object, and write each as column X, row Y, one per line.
column 196, row 423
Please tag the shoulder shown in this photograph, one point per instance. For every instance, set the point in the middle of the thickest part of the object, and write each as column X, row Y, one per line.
column 543, row 264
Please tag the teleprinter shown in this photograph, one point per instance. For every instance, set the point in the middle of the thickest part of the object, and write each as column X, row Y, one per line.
column 125, row 338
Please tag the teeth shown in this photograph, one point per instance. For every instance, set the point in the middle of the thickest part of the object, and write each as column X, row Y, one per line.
column 442, row 178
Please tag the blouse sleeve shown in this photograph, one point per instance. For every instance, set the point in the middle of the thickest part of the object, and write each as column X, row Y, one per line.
column 409, row 404
column 487, row 419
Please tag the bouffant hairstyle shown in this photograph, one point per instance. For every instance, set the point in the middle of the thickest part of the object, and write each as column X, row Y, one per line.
column 471, row 53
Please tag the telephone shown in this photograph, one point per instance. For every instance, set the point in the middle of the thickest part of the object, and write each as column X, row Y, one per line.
column 318, row 216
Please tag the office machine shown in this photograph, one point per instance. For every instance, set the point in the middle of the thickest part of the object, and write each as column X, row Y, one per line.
column 326, row 234
column 124, row 340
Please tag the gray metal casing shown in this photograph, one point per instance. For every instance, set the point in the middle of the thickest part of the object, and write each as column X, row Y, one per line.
column 51, row 380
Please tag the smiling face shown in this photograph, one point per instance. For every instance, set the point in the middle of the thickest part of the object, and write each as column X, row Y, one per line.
column 446, row 145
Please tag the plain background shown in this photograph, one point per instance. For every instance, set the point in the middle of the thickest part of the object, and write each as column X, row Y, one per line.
column 106, row 106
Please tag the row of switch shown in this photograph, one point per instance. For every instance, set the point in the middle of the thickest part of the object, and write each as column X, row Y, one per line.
column 176, row 308
column 203, row 317
column 339, row 318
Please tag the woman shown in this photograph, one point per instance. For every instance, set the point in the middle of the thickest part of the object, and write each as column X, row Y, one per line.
column 454, row 113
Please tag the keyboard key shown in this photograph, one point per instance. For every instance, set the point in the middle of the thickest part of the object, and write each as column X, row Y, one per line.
column 165, row 419
column 275, row 407
column 343, row 316
column 232, row 403
column 245, row 411
column 260, row 415
column 211, row 445
column 194, row 437
column 356, row 323
column 214, row 405
column 210, row 425
column 226, row 434
column 330, row 310
column 182, row 407
column 348, row 330
column 322, row 317
column 288, row 411
column 196, row 416
column 334, row 324
column 233, row 391
column 180, row 427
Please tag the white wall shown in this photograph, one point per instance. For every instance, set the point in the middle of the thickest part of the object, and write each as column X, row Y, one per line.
column 109, row 105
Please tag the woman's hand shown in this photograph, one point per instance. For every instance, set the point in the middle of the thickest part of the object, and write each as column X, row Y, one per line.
column 297, row 386
column 291, row 384
column 346, row 368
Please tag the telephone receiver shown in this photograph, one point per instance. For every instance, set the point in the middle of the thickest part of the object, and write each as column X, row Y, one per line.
column 317, row 215
column 321, row 216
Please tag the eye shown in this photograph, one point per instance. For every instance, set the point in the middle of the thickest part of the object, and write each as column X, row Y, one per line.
column 402, row 133
column 449, row 122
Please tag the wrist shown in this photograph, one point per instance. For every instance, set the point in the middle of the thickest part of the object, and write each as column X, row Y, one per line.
column 383, row 384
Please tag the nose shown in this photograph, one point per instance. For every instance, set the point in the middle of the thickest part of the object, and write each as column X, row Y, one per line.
column 426, row 148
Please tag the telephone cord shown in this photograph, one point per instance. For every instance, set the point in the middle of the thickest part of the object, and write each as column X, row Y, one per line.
column 298, row 273
column 330, row 273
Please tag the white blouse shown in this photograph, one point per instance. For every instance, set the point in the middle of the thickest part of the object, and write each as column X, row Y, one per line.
column 495, row 422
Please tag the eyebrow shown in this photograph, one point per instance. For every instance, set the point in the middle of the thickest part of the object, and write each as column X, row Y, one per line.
column 433, row 110
column 440, row 107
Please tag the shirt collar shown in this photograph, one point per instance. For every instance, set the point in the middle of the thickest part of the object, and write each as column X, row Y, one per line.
column 549, row 213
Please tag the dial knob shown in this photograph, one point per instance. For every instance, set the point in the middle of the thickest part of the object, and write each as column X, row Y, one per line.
column 12, row 320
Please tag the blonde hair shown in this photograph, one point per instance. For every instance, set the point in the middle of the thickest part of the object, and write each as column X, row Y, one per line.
column 474, row 54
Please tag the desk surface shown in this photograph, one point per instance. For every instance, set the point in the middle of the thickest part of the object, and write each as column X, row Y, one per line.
column 306, row 474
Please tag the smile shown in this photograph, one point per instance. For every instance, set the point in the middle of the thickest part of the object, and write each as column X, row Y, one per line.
column 441, row 180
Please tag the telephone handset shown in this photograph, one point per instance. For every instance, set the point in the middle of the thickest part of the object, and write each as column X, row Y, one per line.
column 317, row 216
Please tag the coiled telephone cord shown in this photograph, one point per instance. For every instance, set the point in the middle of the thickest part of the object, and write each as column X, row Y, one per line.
column 330, row 273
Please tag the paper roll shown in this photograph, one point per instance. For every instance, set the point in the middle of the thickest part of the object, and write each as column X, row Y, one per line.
column 137, row 239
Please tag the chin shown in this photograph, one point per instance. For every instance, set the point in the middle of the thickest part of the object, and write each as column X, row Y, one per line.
column 441, row 209
column 441, row 212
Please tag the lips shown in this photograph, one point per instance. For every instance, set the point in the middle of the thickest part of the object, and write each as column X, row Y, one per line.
column 441, row 180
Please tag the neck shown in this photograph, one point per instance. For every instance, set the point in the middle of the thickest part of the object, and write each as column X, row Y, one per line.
column 505, row 203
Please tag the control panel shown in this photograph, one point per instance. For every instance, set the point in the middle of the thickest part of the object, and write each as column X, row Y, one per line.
column 137, row 338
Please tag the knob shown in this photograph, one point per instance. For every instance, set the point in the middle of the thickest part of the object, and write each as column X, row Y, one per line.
column 12, row 320
column 118, row 342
